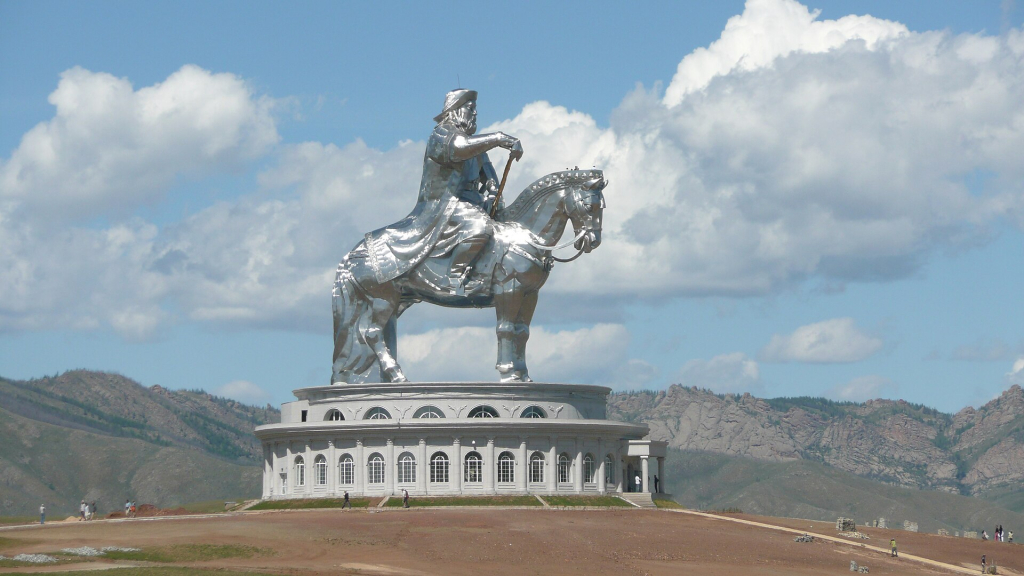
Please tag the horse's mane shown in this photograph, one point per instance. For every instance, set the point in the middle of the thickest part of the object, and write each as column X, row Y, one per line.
column 544, row 186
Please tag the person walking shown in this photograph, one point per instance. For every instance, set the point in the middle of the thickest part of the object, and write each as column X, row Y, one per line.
column 1011, row 537
column 982, row 563
column 127, row 508
column 92, row 510
column 131, row 509
column 81, row 510
column 346, row 503
column 892, row 546
column 42, row 513
column 657, row 489
column 405, row 498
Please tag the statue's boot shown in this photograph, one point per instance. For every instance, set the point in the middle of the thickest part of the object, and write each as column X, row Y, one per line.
column 465, row 255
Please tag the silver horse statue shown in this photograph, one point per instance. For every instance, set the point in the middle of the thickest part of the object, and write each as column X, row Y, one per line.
column 517, row 262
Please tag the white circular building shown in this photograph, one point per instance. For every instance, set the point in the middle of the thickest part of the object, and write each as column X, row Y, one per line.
column 454, row 439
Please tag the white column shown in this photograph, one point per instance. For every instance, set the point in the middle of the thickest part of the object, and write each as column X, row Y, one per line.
column 661, row 474
column 422, row 467
column 552, row 479
column 289, row 465
column 577, row 473
column 490, row 469
column 602, row 486
column 645, row 470
column 332, row 468
column 309, row 466
column 389, row 468
column 522, row 468
column 360, row 467
column 619, row 483
column 455, row 473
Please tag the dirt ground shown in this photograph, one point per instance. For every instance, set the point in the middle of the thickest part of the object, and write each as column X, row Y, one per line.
column 497, row 541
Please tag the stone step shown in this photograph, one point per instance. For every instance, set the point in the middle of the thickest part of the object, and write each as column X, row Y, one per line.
column 638, row 499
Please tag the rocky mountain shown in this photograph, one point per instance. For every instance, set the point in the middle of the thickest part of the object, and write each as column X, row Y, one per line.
column 974, row 452
column 104, row 437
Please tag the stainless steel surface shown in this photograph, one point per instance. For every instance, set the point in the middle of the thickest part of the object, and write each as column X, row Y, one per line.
column 448, row 250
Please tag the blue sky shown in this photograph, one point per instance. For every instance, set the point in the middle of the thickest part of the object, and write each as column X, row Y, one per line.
column 802, row 203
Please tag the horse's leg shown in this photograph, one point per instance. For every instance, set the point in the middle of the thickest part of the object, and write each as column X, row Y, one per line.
column 521, row 333
column 506, row 308
column 381, row 313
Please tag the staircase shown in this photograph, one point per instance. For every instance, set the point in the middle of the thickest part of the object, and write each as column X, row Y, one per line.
column 638, row 499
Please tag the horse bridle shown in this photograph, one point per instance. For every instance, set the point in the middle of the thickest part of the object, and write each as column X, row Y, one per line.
column 577, row 201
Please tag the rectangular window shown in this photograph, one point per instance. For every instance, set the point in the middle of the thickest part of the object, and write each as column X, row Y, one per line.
column 406, row 471
column 536, row 470
column 375, row 472
column 506, row 470
column 345, row 473
column 304, row 415
column 321, row 473
column 439, row 471
column 474, row 470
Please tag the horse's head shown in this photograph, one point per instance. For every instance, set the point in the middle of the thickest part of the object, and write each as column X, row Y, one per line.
column 585, row 207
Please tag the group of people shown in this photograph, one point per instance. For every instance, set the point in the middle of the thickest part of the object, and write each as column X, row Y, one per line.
column 129, row 508
column 998, row 535
column 87, row 510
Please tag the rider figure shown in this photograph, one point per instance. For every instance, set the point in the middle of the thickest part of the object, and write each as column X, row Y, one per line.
column 456, row 191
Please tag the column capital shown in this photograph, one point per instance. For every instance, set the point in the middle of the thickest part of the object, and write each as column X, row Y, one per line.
column 330, row 443
column 359, row 442
column 423, row 441
column 390, row 442
column 490, row 440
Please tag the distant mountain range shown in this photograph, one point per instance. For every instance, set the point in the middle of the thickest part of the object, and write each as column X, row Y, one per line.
column 104, row 437
column 100, row 436
column 973, row 452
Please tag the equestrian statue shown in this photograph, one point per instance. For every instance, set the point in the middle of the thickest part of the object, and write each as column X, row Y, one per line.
column 460, row 247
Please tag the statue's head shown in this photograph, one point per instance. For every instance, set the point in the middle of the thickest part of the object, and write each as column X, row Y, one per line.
column 459, row 109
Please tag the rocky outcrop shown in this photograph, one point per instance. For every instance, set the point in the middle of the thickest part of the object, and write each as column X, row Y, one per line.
column 893, row 441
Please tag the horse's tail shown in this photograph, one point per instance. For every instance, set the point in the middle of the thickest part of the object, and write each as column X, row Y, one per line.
column 354, row 358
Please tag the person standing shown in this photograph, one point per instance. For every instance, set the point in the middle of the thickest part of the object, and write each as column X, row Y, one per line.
column 657, row 489
column 127, row 508
column 405, row 498
column 42, row 513
column 92, row 510
column 982, row 563
column 1011, row 537
column 81, row 510
column 892, row 546
column 984, row 535
column 131, row 509
column 637, row 487
column 346, row 503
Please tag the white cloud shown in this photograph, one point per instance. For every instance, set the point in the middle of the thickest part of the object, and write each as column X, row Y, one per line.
column 243, row 391
column 733, row 372
column 836, row 340
column 834, row 151
column 1016, row 373
column 112, row 147
column 862, row 388
column 768, row 30
column 598, row 354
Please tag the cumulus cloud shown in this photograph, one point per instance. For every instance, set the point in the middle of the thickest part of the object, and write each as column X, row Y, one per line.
column 243, row 391
column 597, row 354
column 733, row 372
column 836, row 340
column 111, row 146
column 862, row 388
column 791, row 149
column 1016, row 373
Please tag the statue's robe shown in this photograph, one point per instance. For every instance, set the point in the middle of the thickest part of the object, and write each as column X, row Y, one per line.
column 449, row 209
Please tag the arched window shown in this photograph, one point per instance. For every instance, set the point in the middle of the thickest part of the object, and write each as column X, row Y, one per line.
column 563, row 467
column 533, row 412
column 474, row 468
column 406, row 468
column 537, row 467
column 377, row 413
column 320, row 470
column 334, row 415
column 375, row 469
column 588, row 469
column 346, row 470
column 429, row 412
column 506, row 467
column 483, row 412
column 609, row 470
column 439, row 468
column 300, row 471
